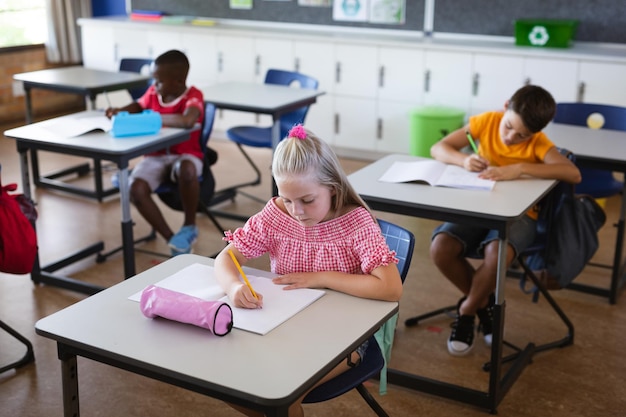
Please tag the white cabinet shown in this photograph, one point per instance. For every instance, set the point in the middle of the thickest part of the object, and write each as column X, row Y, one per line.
column 355, row 123
column 272, row 54
column 495, row 79
column 448, row 79
column 98, row 48
column 356, row 70
column 603, row 83
column 235, row 56
column 558, row 76
column 201, row 50
column 317, row 59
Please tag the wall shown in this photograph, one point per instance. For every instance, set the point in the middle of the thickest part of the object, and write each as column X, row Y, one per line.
column 12, row 109
column 600, row 20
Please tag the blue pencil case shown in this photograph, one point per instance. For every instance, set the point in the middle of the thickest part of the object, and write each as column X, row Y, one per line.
column 126, row 124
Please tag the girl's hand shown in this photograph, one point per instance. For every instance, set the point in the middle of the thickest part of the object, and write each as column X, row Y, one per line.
column 475, row 163
column 297, row 280
column 242, row 297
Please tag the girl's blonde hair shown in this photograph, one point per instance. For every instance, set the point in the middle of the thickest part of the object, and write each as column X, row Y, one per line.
column 302, row 152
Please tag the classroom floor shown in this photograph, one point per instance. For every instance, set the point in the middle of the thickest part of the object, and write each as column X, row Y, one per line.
column 586, row 379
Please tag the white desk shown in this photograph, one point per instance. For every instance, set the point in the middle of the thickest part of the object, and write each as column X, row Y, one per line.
column 324, row 333
column 100, row 145
column 495, row 209
column 600, row 149
column 86, row 82
column 274, row 100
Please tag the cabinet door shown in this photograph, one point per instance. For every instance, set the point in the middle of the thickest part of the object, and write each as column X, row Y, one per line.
column 558, row 76
column 603, row 83
column 400, row 74
column 130, row 43
column 448, row 79
column 317, row 59
column 201, row 49
column 393, row 130
column 98, row 48
column 235, row 63
column 160, row 41
column 356, row 70
column 495, row 79
column 272, row 54
column 355, row 123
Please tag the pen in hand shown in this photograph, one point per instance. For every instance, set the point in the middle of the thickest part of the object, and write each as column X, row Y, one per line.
column 471, row 141
column 243, row 275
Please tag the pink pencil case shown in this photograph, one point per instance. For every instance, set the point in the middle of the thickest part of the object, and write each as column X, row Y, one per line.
column 216, row 316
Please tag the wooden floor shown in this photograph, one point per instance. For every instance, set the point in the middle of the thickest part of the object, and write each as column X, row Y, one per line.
column 586, row 379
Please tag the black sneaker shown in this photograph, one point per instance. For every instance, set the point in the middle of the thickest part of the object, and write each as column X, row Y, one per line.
column 485, row 319
column 462, row 337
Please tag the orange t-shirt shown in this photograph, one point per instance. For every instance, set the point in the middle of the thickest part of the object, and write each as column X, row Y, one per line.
column 486, row 129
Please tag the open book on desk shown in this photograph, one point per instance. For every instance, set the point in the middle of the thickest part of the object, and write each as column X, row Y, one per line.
column 279, row 306
column 79, row 124
column 435, row 173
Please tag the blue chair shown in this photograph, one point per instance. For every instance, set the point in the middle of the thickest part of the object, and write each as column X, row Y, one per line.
column 597, row 183
column 136, row 65
column 403, row 242
column 261, row 137
column 168, row 190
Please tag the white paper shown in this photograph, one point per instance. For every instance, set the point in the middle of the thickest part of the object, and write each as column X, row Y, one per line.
column 70, row 127
column 436, row 173
column 278, row 305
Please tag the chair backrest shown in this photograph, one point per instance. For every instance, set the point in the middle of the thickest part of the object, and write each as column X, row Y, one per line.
column 137, row 65
column 168, row 192
column 596, row 182
column 400, row 240
column 594, row 116
column 281, row 77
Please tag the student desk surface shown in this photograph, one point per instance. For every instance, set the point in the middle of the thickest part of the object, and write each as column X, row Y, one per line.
column 599, row 149
column 86, row 82
column 241, row 367
column 99, row 145
column 508, row 201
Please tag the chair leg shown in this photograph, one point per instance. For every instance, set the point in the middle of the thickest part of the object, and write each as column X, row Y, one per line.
column 103, row 256
column 27, row 358
column 414, row 321
column 371, row 401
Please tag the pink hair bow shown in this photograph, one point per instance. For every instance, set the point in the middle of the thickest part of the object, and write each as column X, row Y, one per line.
column 297, row 132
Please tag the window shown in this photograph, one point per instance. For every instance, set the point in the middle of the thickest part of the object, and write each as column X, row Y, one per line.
column 22, row 22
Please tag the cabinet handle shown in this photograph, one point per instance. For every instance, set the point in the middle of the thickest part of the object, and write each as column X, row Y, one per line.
column 338, row 72
column 379, row 129
column 381, row 76
column 527, row 81
column 257, row 65
column 581, row 92
column 116, row 52
column 151, row 52
column 220, row 62
column 336, row 123
column 426, row 81
column 296, row 65
column 475, row 84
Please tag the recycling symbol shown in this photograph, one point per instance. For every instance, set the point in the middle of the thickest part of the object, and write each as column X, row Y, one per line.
column 538, row 36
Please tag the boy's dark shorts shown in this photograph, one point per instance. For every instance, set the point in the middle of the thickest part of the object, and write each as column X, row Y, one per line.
column 521, row 235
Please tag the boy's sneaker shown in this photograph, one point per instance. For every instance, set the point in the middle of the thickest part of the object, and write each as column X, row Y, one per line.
column 462, row 337
column 485, row 318
column 181, row 242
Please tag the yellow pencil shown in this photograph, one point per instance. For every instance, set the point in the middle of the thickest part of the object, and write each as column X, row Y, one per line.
column 245, row 278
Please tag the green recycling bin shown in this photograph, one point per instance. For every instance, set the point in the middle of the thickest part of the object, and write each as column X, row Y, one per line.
column 431, row 123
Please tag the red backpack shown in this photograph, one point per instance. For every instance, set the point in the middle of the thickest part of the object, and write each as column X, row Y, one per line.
column 18, row 240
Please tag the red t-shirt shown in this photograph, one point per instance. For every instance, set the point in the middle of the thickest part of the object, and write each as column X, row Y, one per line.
column 191, row 97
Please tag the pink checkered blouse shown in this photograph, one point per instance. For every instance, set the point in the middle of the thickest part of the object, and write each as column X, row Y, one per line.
column 350, row 243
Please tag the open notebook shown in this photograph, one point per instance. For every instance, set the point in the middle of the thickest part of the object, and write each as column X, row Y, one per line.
column 79, row 124
column 435, row 173
column 278, row 306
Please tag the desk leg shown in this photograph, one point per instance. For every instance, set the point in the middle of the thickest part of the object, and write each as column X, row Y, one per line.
column 616, row 274
column 128, row 246
column 69, row 375
column 275, row 141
